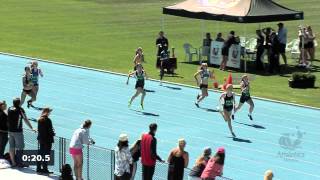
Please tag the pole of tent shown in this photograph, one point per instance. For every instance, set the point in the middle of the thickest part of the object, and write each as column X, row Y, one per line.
column 245, row 59
column 162, row 18
column 202, row 35
column 162, row 23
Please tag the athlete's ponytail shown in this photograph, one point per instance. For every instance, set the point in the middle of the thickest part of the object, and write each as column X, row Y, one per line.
column 87, row 124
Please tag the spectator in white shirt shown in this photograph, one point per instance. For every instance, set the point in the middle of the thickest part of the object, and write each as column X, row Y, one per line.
column 282, row 36
column 80, row 136
column 123, row 159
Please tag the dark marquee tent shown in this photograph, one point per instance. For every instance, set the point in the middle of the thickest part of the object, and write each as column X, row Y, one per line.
column 240, row 11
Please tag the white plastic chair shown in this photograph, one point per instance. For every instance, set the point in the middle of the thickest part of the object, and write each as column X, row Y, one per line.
column 289, row 46
column 252, row 43
column 189, row 51
column 295, row 51
column 243, row 42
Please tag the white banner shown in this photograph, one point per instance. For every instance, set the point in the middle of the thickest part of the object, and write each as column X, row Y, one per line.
column 215, row 52
column 234, row 56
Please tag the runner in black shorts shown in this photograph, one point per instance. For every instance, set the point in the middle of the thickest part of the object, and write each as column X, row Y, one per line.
column 140, row 75
column 204, row 74
column 27, row 87
column 36, row 72
column 227, row 101
column 245, row 96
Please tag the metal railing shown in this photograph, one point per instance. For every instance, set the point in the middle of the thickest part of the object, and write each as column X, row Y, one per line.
column 98, row 162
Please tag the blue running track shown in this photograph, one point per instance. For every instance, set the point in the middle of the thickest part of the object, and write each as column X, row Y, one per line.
column 284, row 138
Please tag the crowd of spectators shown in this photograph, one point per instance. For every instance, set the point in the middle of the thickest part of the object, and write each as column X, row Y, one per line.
column 126, row 158
column 270, row 43
column 207, row 167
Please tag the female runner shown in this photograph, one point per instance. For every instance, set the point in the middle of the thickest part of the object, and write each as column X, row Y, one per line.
column 204, row 74
column 27, row 87
column 138, row 58
column 36, row 72
column 245, row 96
column 227, row 101
column 140, row 75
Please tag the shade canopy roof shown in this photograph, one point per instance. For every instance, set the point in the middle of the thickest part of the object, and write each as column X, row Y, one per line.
column 241, row 11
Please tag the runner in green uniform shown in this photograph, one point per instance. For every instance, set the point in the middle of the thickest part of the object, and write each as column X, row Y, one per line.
column 227, row 101
column 140, row 75
column 245, row 96
column 205, row 74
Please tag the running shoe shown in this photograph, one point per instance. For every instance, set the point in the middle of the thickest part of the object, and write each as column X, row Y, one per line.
column 197, row 104
column 29, row 104
column 250, row 116
column 232, row 116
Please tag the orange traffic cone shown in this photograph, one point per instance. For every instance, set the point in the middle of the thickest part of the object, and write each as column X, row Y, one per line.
column 215, row 83
column 229, row 79
column 224, row 87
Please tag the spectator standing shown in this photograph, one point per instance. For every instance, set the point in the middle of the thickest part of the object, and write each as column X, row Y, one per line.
column 303, row 43
column 206, row 44
column 3, row 128
column 282, row 36
column 214, row 166
column 200, row 165
column 219, row 37
column 268, row 175
column 207, row 40
column 123, row 159
column 260, row 50
column 80, row 136
column 16, row 140
column 310, row 43
column 178, row 160
column 45, row 138
column 274, row 53
column 267, row 32
column 136, row 154
column 149, row 152
column 162, row 43
column 225, row 49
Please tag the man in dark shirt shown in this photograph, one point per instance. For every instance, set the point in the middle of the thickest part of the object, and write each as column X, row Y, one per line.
column 206, row 44
column 207, row 40
column 3, row 128
column 149, row 152
column 219, row 37
column 274, row 53
column 267, row 33
column 225, row 49
column 260, row 50
column 45, row 138
column 15, row 116
column 162, row 43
